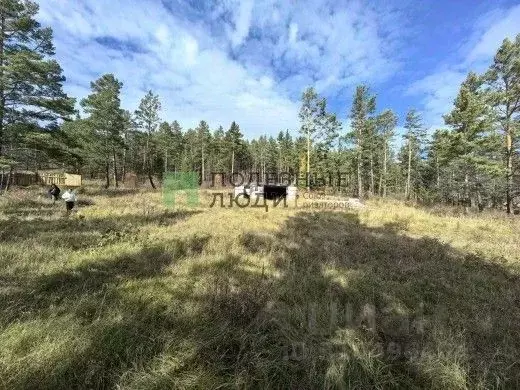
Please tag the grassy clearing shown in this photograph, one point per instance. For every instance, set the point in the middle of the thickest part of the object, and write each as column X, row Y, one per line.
column 127, row 294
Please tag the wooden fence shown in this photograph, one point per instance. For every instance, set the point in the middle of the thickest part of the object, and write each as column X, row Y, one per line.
column 52, row 178
column 24, row 179
column 17, row 179
column 63, row 179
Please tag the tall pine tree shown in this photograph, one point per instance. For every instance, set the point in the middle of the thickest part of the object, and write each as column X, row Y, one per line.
column 106, row 119
column 30, row 80
column 386, row 122
column 415, row 137
column 503, row 79
column 147, row 119
column 470, row 120
column 318, row 126
column 363, row 107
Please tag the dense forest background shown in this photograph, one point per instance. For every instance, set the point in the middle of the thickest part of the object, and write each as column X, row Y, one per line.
column 473, row 160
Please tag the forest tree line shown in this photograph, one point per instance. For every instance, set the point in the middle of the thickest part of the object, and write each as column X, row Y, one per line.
column 473, row 160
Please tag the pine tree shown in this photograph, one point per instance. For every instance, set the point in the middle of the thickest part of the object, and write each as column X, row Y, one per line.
column 260, row 156
column 218, row 148
column 280, row 142
column 147, row 119
column 203, row 140
column 273, row 154
column 30, row 81
column 177, row 145
column 440, row 155
column 190, row 155
column 386, row 122
column 234, row 145
column 165, row 141
column 290, row 155
column 86, row 144
column 310, row 111
column 319, row 127
column 363, row 107
column 471, row 121
column 415, row 137
column 128, row 127
column 503, row 78
column 106, row 119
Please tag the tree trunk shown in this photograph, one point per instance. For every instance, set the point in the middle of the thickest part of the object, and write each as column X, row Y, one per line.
column 2, row 87
column 165, row 160
column 210, row 164
column 438, row 171
column 409, row 174
column 107, row 173
column 232, row 163
column 466, row 193
column 509, row 169
column 359, row 167
column 308, row 159
column 123, row 171
column 150, row 177
column 279, row 160
column 116, row 181
column 145, row 156
column 494, row 197
column 148, row 161
column 202, row 176
column 9, row 176
column 384, row 169
column 479, row 199
column 372, row 189
column 380, row 184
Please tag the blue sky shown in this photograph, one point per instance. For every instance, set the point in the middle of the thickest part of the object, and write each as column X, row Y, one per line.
column 249, row 61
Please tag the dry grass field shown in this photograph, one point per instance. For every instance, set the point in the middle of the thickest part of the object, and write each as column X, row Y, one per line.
column 128, row 294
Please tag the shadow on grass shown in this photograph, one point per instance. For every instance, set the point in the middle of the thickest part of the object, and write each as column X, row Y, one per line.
column 40, row 209
column 27, row 297
column 365, row 307
column 119, row 330
column 76, row 233
column 31, row 208
column 348, row 306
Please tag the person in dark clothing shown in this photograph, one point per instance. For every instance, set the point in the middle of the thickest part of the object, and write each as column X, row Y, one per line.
column 54, row 192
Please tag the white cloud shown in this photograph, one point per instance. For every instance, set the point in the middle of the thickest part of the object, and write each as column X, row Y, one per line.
column 162, row 34
column 241, row 60
column 507, row 26
column 335, row 45
column 242, row 22
column 191, row 48
column 293, row 33
column 439, row 89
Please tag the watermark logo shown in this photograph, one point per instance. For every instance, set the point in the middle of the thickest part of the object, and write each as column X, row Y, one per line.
column 330, row 329
column 177, row 183
column 299, row 179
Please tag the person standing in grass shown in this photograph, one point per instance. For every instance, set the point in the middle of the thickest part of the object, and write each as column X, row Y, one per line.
column 70, row 199
column 54, row 192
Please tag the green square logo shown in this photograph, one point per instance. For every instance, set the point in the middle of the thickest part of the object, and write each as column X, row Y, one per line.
column 181, row 182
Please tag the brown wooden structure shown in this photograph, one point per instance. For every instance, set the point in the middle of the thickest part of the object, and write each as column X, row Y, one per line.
column 26, row 178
